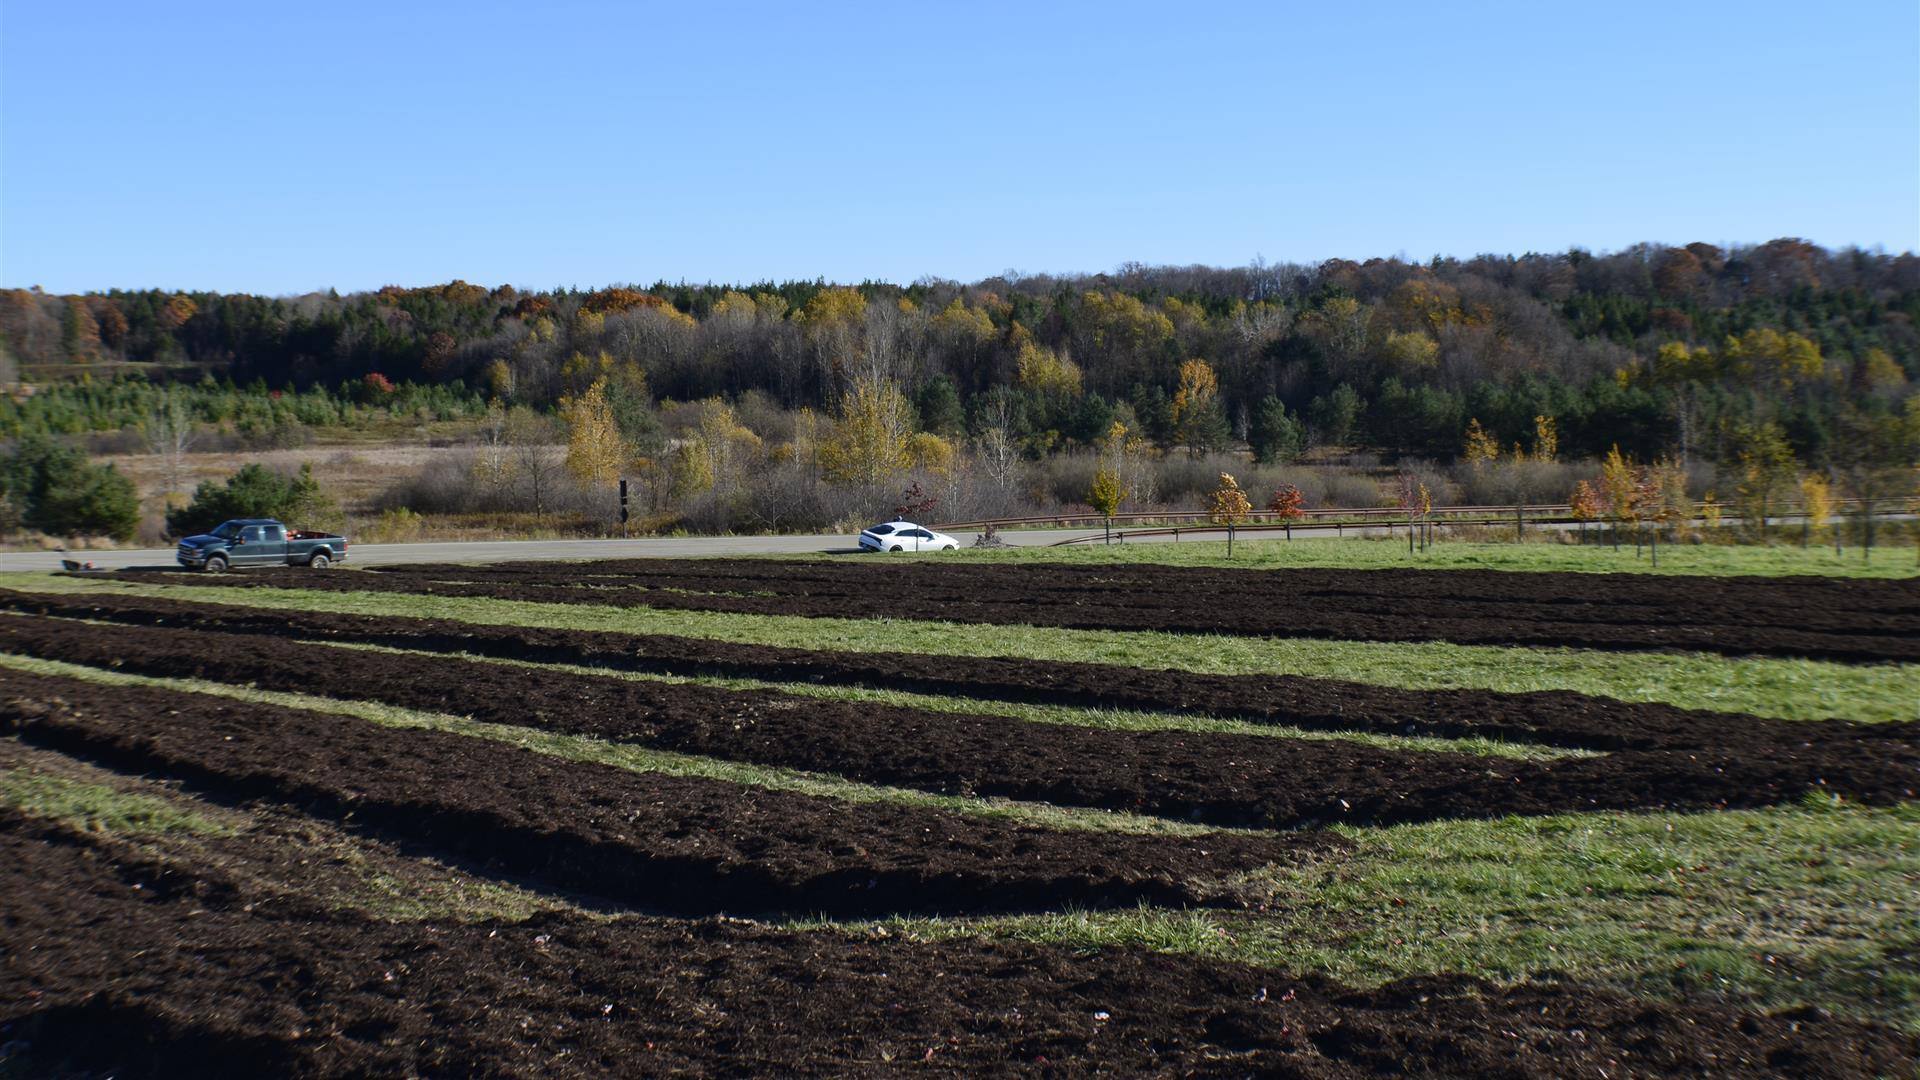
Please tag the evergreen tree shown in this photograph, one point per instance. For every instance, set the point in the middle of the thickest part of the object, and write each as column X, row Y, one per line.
column 1275, row 436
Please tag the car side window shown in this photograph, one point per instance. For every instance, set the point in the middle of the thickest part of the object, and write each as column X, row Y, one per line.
column 919, row 534
column 881, row 530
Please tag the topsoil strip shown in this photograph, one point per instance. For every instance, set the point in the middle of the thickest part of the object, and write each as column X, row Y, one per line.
column 1234, row 780
column 678, row 844
column 1821, row 618
column 1552, row 718
column 316, row 994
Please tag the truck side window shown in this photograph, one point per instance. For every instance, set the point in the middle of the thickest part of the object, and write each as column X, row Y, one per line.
column 274, row 535
column 250, row 534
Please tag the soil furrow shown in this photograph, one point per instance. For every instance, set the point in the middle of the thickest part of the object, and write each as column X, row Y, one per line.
column 1552, row 718
column 219, row 989
column 1821, row 618
column 677, row 844
column 1222, row 779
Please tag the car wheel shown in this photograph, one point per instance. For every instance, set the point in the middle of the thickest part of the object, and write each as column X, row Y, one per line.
column 217, row 564
column 895, row 547
column 951, row 547
column 319, row 561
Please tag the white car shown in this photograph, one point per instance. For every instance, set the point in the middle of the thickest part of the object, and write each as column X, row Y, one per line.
column 905, row 536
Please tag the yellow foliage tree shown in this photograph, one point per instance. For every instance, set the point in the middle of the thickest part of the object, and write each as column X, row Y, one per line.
column 1227, row 504
column 1584, row 502
column 500, row 380
column 1130, row 458
column 869, row 441
column 1618, row 482
column 1546, row 438
column 1882, row 373
column 929, row 452
column 726, row 447
column 1774, row 357
column 1196, row 407
column 959, row 322
column 1816, row 501
column 595, row 451
column 1482, row 448
column 692, row 472
column 1044, row 371
column 1410, row 353
column 1123, row 324
column 1106, row 493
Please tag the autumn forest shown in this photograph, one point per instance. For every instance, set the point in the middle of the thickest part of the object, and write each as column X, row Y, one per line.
column 1699, row 355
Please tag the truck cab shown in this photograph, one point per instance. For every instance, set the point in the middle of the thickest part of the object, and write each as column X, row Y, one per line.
column 259, row 542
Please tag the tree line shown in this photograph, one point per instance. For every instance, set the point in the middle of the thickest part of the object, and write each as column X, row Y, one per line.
column 1657, row 349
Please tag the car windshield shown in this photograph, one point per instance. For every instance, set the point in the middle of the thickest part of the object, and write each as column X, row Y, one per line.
column 228, row 530
column 881, row 530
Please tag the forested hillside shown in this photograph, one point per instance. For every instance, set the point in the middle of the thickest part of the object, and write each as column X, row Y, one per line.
column 1659, row 350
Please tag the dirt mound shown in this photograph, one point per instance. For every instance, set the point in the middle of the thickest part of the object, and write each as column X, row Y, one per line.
column 1221, row 779
column 314, row 994
column 1552, row 718
column 1822, row 618
column 680, row 844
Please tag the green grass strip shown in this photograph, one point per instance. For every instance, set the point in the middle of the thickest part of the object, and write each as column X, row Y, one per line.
column 1764, row 686
column 1065, row 715
column 98, row 808
column 1812, row 903
column 640, row 759
column 1545, row 555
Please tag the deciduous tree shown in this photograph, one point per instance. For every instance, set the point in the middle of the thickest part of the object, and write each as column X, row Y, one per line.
column 869, row 440
column 595, row 450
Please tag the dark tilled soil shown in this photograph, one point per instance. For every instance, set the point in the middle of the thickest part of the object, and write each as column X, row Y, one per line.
column 1235, row 780
column 219, row 990
column 677, row 844
column 1551, row 718
column 1822, row 618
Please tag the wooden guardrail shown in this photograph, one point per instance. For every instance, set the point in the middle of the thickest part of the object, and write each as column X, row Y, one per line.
column 1359, row 514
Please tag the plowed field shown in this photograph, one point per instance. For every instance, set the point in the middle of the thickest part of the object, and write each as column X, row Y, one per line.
column 220, row 990
column 1822, row 618
column 1220, row 779
column 1549, row 718
column 1015, row 878
column 662, row 842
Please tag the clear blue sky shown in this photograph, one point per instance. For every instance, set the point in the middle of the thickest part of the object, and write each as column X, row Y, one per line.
column 280, row 148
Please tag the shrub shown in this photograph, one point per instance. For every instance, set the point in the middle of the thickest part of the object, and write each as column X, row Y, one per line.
column 56, row 490
column 255, row 491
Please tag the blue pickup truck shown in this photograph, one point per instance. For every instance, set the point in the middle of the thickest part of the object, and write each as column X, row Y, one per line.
column 260, row 542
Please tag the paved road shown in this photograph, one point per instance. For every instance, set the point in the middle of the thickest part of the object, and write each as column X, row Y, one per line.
column 505, row 550
column 654, row 547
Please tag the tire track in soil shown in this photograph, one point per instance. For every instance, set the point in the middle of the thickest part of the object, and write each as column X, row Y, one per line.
column 311, row 993
column 1556, row 718
column 1218, row 779
column 1832, row 619
column 680, row 845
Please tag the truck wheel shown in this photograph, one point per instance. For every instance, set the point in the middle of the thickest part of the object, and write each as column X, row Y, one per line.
column 319, row 561
column 216, row 564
